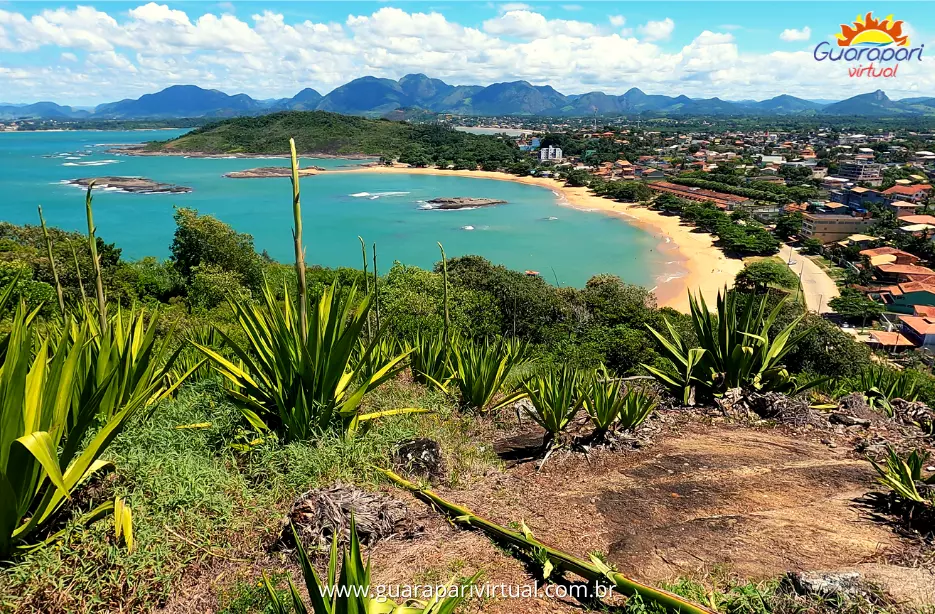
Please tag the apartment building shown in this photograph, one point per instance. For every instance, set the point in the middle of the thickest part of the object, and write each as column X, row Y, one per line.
column 829, row 228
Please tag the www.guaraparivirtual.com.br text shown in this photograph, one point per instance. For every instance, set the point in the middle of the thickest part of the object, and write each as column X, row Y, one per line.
column 428, row 592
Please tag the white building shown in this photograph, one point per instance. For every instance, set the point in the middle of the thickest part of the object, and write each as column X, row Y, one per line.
column 551, row 154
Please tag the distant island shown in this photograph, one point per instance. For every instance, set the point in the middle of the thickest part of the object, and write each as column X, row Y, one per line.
column 132, row 185
column 463, row 202
column 272, row 171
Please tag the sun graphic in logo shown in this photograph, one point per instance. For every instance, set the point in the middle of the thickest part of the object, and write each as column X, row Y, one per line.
column 869, row 32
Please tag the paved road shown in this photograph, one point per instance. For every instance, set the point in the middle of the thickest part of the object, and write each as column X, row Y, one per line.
column 816, row 285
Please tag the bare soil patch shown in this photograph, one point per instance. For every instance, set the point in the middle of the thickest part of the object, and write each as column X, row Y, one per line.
column 757, row 502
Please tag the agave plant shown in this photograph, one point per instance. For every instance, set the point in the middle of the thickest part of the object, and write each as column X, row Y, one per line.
column 735, row 350
column 190, row 359
column 880, row 385
column 50, row 403
column 482, row 371
column 903, row 476
column 431, row 359
column 350, row 591
column 383, row 350
column 610, row 407
column 129, row 348
column 298, row 387
column 555, row 400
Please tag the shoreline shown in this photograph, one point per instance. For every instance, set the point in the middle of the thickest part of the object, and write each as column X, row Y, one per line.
column 697, row 264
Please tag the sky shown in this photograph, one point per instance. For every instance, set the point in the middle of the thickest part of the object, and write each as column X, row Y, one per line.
column 99, row 51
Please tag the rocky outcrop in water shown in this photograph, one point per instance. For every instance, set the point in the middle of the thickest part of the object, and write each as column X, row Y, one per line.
column 133, row 185
column 272, row 171
column 463, row 202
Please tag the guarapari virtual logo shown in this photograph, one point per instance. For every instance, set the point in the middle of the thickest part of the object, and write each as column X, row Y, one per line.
column 870, row 47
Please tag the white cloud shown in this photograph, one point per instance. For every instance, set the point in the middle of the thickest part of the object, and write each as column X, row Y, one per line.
column 514, row 6
column 102, row 56
column 657, row 30
column 791, row 35
column 527, row 24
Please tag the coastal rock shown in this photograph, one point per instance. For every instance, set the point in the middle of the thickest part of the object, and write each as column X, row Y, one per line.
column 272, row 171
column 133, row 185
column 462, row 202
column 825, row 584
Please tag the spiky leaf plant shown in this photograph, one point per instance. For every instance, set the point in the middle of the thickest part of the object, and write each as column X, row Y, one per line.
column 904, row 476
column 431, row 359
column 734, row 350
column 610, row 406
column 304, row 388
column 50, row 405
column 555, row 398
column 350, row 591
column 142, row 363
column 880, row 385
column 482, row 369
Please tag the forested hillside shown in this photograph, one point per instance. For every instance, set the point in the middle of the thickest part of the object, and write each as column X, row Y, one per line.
column 330, row 133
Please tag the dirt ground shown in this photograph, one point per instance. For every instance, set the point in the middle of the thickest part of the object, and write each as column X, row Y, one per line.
column 754, row 503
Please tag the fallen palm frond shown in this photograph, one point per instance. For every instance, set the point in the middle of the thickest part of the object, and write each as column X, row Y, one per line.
column 350, row 591
column 593, row 571
column 735, row 350
column 482, row 371
column 304, row 388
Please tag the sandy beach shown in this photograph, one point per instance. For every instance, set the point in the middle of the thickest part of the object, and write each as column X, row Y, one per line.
column 697, row 263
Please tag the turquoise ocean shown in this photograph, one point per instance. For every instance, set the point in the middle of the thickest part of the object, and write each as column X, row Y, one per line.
column 534, row 231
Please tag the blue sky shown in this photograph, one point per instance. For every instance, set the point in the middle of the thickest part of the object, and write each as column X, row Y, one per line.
column 91, row 52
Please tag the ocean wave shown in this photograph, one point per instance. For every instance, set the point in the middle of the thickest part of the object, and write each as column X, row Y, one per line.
column 92, row 163
column 467, row 228
column 376, row 195
column 664, row 279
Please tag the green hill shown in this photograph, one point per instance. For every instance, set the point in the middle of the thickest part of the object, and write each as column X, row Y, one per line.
column 320, row 132
column 313, row 131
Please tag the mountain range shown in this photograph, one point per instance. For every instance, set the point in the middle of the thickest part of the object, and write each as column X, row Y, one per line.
column 376, row 97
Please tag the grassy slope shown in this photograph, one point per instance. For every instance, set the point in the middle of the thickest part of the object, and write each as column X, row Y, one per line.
column 194, row 499
column 314, row 132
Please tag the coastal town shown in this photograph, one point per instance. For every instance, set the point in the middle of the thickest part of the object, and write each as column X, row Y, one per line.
column 855, row 208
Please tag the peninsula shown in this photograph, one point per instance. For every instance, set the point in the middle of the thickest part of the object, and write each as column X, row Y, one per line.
column 131, row 185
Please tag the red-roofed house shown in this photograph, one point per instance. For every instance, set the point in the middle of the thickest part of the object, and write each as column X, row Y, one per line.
column 889, row 255
column 901, row 273
column 908, row 298
column 917, row 219
column 908, row 193
column 920, row 330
